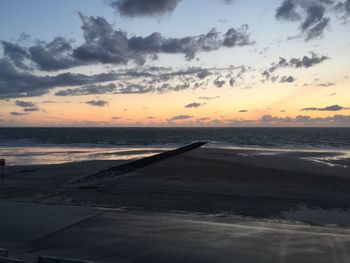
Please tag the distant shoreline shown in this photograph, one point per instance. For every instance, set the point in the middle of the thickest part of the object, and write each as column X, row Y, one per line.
column 60, row 154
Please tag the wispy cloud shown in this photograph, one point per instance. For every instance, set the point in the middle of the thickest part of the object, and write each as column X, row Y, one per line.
column 304, row 62
column 15, row 113
column 98, row 103
column 328, row 108
column 310, row 14
column 194, row 105
column 25, row 104
column 180, row 117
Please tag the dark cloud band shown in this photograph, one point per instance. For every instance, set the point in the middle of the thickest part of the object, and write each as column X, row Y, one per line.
column 105, row 45
column 133, row 8
column 313, row 16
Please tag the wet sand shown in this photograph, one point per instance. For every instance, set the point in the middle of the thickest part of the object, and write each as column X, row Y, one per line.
column 224, row 194
column 241, row 182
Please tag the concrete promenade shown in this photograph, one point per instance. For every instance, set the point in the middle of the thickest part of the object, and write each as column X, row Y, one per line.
column 102, row 235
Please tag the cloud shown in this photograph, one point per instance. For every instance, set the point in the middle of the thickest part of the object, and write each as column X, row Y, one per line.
column 219, row 83
column 243, row 111
column 194, row 105
column 88, row 90
column 304, row 62
column 134, row 8
column 314, row 14
column 180, row 117
column 232, row 82
column 203, row 74
column 27, row 107
column 191, row 45
column 204, row 119
column 52, row 56
column 336, row 120
column 272, row 119
column 343, row 7
column 328, row 108
column 310, row 14
column 98, row 103
column 144, row 8
column 265, row 121
column 31, row 109
column 228, row 2
column 23, row 37
column 150, row 8
column 208, row 98
column 285, row 79
column 287, row 11
column 16, row 54
column 307, row 61
column 24, row 104
column 328, row 84
column 155, row 80
column 15, row 113
column 136, row 89
column 17, row 84
column 318, row 29
column 103, row 44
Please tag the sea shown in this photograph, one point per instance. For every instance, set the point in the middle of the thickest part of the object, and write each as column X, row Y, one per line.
column 27, row 146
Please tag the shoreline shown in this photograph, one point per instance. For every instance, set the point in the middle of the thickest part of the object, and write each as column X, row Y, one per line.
column 306, row 157
column 56, row 154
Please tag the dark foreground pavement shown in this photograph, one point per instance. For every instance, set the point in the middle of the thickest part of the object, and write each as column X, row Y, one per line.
column 122, row 236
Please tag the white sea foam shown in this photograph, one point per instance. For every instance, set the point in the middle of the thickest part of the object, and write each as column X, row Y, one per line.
column 57, row 155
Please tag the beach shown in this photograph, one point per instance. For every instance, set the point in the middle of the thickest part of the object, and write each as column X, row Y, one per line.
column 165, row 131
column 232, row 193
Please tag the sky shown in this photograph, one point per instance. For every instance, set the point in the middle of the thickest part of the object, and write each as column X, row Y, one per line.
column 160, row 63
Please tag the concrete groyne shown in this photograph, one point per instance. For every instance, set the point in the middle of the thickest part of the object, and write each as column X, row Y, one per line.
column 90, row 180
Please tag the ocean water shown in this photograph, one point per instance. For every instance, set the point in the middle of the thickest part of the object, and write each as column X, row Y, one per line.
column 59, row 145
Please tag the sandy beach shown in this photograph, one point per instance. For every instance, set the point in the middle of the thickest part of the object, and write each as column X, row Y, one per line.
column 234, row 181
column 206, row 188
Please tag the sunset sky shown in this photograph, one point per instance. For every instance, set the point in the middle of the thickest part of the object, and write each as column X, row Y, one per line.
column 175, row 63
